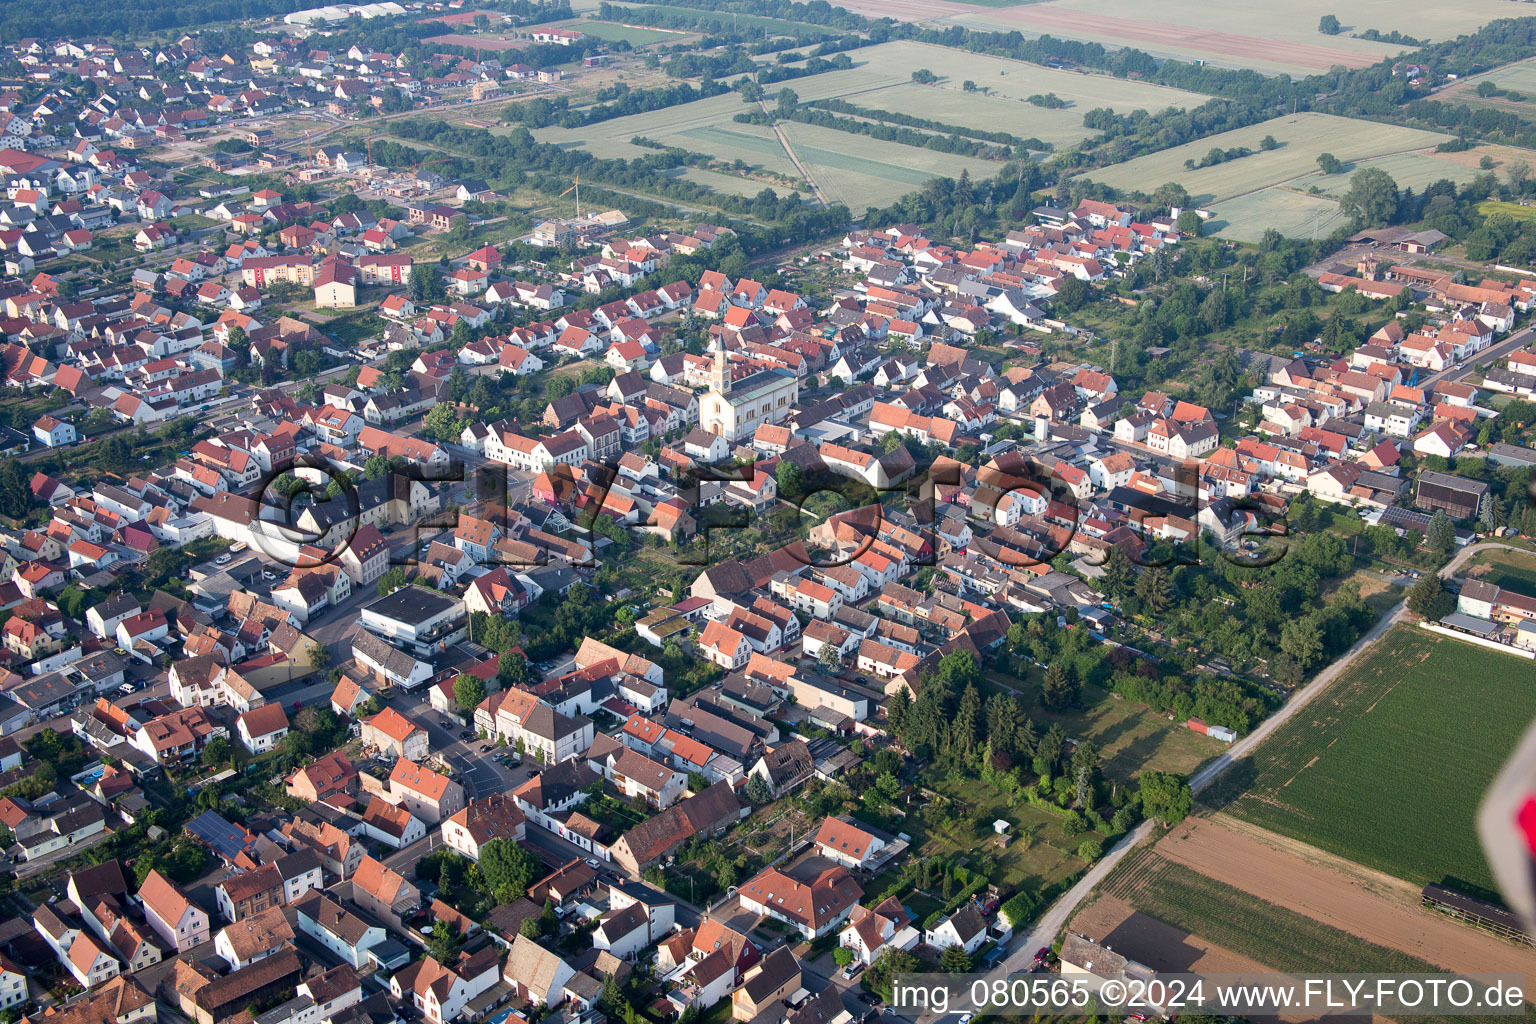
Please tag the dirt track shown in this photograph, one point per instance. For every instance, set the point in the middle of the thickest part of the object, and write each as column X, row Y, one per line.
column 1165, row 948
column 1078, row 24
column 1338, row 893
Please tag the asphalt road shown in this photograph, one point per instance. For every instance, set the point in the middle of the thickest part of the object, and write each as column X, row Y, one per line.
column 1516, row 339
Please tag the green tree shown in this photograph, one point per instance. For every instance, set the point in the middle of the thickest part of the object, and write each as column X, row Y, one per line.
column 757, row 790
column 1302, row 639
column 1429, row 598
column 392, row 581
column 1329, row 25
column 1330, row 164
column 1155, row 590
column 216, row 754
column 444, row 942
column 1059, row 688
column 790, row 479
column 440, row 423
column 842, row 956
column 1166, row 796
column 1372, row 197
column 507, row 868
column 468, row 692
column 955, row 960
column 1440, row 535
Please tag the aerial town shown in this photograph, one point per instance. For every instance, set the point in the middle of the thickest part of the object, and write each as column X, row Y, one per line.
column 462, row 566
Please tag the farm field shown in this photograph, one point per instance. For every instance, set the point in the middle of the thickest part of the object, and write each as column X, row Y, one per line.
column 1148, row 894
column 1131, row 737
column 1351, row 774
column 1288, row 211
column 1267, row 37
column 860, row 170
column 1334, row 892
column 1302, row 137
column 1409, row 170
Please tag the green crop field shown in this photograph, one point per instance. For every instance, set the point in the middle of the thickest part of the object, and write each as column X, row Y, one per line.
column 1387, row 767
column 1302, row 137
column 631, row 34
column 860, row 170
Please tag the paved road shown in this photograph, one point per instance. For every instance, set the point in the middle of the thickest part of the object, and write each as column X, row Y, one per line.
column 1517, row 339
column 1059, row 913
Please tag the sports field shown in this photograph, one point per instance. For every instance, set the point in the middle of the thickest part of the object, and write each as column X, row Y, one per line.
column 1302, row 137
column 863, row 171
column 1387, row 767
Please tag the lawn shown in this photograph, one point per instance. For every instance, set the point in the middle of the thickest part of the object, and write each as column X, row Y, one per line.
column 1513, row 569
column 1248, row 926
column 1302, row 137
column 1131, row 737
column 1387, row 767
column 1040, row 854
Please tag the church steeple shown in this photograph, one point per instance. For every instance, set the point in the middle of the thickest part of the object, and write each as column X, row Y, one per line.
column 720, row 381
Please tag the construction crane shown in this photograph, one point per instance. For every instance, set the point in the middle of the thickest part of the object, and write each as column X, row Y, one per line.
column 577, row 189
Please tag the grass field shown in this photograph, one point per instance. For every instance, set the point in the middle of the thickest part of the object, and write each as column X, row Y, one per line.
column 634, row 35
column 1302, row 137
column 860, row 170
column 1130, row 736
column 1386, row 768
